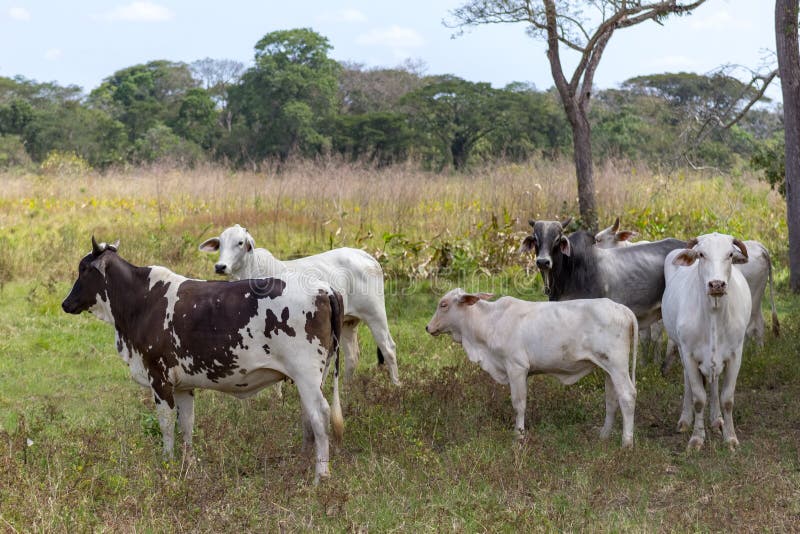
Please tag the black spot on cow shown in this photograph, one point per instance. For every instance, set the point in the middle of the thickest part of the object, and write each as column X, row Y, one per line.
column 216, row 313
column 241, row 385
column 318, row 324
column 272, row 325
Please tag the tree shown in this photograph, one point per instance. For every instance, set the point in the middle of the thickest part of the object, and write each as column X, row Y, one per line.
column 144, row 95
column 567, row 24
column 217, row 76
column 377, row 89
column 286, row 97
column 457, row 113
column 788, row 49
column 197, row 118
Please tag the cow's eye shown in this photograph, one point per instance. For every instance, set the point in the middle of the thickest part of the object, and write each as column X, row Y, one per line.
column 241, row 243
column 730, row 255
column 701, row 255
column 442, row 304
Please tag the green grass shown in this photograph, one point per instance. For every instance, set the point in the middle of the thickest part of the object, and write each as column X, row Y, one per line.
column 436, row 454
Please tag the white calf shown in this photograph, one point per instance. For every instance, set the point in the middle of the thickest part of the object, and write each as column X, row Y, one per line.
column 706, row 307
column 352, row 272
column 511, row 339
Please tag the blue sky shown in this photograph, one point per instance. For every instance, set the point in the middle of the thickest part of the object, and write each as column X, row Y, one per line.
column 81, row 42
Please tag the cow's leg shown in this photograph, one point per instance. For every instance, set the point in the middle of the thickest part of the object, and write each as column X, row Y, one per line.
column 518, row 383
column 611, row 408
column 728, row 389
column 698, row 403
column 166, row 420
column 349, row 344
column 184, row 402
column 685, row 421
column 308, row 434
column 670, row 355
column 379, row 326
column 625, row 393
column 715, row 415
column 317, row 411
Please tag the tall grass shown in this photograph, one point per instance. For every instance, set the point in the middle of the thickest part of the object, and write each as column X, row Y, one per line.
column 404, row 216
column 79, row 446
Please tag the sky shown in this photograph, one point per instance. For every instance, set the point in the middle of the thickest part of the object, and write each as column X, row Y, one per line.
column 83, row 41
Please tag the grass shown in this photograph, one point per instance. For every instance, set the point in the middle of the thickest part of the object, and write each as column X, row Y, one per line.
column 79, row 445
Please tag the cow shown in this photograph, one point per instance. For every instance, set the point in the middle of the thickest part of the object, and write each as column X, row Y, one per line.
column 613, row 237
column 511, row 339
column 177, row 335
column 706, row 308
column 757, row 271
column 354, row 273
column 573, row 267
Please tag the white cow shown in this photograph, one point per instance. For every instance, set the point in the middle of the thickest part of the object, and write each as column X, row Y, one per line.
column 613, row 237
column 511, row 339
column 706, row 307
column 352, row 272
column 757, row 271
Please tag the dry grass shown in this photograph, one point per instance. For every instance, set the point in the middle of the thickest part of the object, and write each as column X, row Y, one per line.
column 434, row 455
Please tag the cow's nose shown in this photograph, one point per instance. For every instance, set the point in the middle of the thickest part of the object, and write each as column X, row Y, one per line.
column 717, row 287
column 428, row 328
column 220, row 268
column 543, row 263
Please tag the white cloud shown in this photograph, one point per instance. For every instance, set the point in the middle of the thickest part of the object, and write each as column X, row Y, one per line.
column 346, row 16
column 719, row 20
column 145, row 11
column 19, row 13
column 394, row 37
column 53, row 54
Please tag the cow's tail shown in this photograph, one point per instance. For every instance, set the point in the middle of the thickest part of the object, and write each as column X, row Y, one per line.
column 634, row 326
column 337, row 316
column 776, row 326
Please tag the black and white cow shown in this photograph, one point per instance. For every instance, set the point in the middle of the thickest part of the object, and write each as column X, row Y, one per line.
column 178, row 334
column 573, row 267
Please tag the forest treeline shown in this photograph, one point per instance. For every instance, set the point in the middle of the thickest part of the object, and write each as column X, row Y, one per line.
column 296, row 101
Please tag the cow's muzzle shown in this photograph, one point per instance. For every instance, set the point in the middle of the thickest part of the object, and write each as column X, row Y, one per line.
column 544, row 263
column 717, row 288
column 70, row 307
column 220, row 268
column 431, row 331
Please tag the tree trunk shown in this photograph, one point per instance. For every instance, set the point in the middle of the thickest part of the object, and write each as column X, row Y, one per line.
column 786, row 38
column 582, row 143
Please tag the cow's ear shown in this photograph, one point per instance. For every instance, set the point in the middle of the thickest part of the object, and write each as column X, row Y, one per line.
column 209, row 245
column 470, row 299
column 740, row 254
column 685, row 258
column 625, row 235
column 100, row 265
column 249, row 244
column 485, row 296
column 528, row 244
column 566, row 248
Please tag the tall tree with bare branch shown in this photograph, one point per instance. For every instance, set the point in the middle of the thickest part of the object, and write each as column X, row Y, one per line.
column 788, row 49
column 584, row 27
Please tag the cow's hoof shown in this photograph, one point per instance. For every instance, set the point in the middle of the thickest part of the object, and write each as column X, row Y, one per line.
column 683, row 426
column 695, row 444
column 717, row 425
column 627, row 443
column 732, row 443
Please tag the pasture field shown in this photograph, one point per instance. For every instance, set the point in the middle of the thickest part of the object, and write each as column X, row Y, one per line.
column 79, row 441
